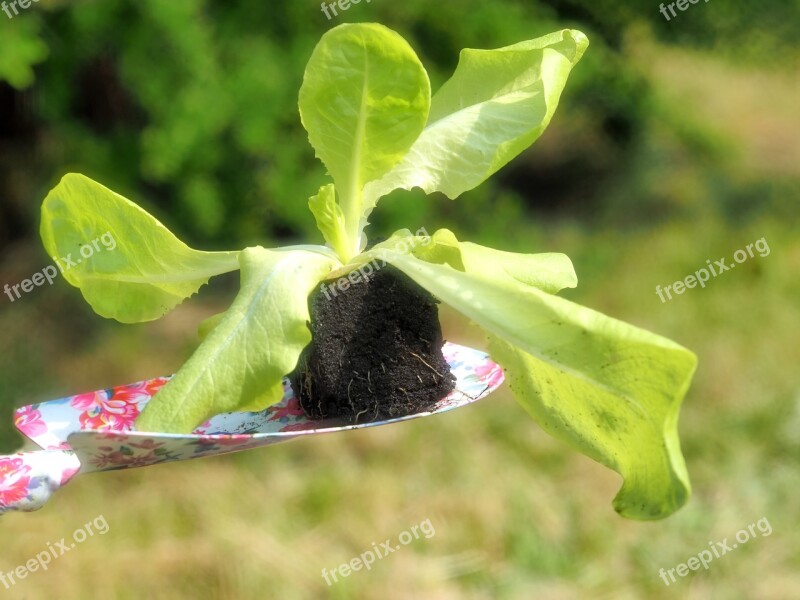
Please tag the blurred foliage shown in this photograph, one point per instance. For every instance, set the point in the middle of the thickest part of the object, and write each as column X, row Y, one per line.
column 190, row 107
column 22, row 49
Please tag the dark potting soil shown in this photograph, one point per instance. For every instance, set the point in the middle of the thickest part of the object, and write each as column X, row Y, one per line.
column 376, row 351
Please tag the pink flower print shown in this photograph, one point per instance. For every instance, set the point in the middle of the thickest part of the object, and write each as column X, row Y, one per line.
column 147, row 444
column 489, row 373
column 112, row 458
column 142, row 460
column 292, row 409
column 202, row 429
column 68, row 473
column 29, row 421
column 302, row 426
column 233, row 439
column 114, row 436
column 138, row 392
column 14, row 481
column 104, row 413
column 123, row 458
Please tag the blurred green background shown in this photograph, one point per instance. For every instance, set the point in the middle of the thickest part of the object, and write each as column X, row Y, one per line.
column 675, row 142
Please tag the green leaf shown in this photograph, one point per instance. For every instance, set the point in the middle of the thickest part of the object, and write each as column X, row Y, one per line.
column 610, row 390
column 497, row 103
column 329, row 217
column 208, row 325
column 241, row 363
column 550, row 272
column 22, row 47
column 137, row 270
column 442, row 248
column 364, row 100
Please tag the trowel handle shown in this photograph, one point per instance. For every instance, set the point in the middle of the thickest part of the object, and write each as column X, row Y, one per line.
column 28, row 479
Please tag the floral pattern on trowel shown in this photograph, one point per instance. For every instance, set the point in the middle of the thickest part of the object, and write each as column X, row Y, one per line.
column 96, row 431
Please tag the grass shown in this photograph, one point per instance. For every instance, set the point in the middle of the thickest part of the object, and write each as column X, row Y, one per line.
column 516, row 513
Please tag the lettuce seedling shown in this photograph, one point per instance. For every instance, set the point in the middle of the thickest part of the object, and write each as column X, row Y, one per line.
column 609, row 389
